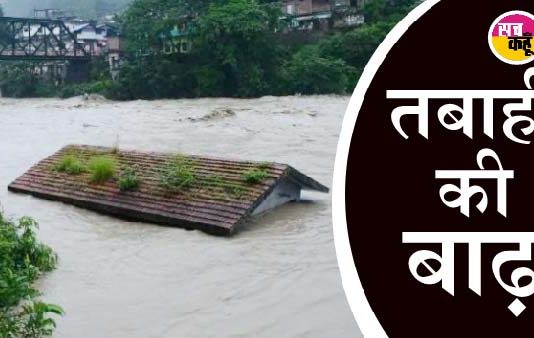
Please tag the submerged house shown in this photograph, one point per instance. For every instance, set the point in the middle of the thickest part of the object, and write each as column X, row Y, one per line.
column 222, row 194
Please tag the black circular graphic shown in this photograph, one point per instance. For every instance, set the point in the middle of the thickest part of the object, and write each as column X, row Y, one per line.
column 441, row 223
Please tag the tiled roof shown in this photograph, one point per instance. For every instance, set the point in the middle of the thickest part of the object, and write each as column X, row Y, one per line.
column 219, row 200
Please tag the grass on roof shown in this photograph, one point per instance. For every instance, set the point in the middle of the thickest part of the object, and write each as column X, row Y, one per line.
column 102, row 168
column 254, row 176
column 217, row 182
column 128, row 179
column 70, row 164
column 178, row 174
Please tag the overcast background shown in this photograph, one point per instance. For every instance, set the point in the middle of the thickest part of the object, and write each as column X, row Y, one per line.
column 91, row 9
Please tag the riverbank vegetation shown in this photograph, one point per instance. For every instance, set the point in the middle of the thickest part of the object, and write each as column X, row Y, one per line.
column 239, row 48
column 22, row 261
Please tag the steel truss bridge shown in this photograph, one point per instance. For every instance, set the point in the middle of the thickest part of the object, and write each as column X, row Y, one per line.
column 40, row 40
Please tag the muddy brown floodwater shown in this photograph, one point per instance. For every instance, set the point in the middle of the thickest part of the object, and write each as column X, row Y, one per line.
column 278, row 277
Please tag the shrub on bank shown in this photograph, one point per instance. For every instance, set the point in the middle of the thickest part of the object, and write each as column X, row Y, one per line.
column 16, row 81
column 307, row 72
column 101, row 87
column 22, row 260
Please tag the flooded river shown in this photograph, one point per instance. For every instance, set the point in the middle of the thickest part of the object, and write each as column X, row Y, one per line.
column 276, row 278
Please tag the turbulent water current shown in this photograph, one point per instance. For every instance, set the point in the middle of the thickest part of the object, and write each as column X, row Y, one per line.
column 277, row 277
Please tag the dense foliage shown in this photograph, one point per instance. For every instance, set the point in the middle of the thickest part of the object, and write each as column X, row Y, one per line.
column 309, row 71
column 236, row 42
column 145, row 20
column 24, row 79
column 22, row 260
column 238, row 49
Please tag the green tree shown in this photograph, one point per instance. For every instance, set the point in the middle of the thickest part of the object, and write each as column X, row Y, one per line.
column 17, row 80
column 236, row 40
column 355, row 47
column 388, row 10
column 307, row 72
column 153, row 78
column 144, row 21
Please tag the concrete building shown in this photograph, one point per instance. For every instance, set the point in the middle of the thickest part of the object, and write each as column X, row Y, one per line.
column 305, row 7
column 322, row 14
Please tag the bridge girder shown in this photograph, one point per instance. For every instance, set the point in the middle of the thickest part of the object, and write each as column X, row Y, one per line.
column 28, row 39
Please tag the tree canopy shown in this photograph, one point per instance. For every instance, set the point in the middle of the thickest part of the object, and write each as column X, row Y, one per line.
column 237, row 40
column 145, row 20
